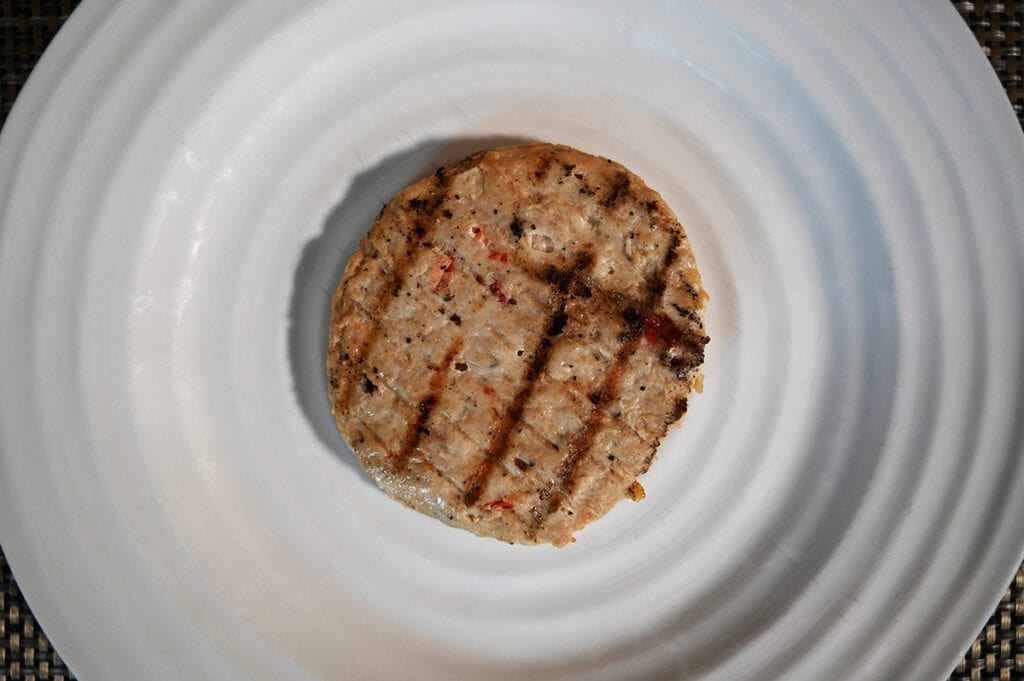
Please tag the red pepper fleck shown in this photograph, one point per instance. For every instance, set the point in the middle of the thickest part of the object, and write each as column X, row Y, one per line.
column 660, row 330
column 496, row 290
column 500, row 256
column 478, row 232
column 501, row 503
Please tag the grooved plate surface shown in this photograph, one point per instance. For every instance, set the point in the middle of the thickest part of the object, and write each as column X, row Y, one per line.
column 181, row 183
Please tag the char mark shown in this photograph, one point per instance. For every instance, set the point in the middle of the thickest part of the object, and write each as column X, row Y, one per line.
column 553, row 328
column 581, row 443
column 619, row 190
column 673, row 251
column 516, row 227
column 499, row 444
column 634, row 319
column 558, row 278
column 419, row 426
column 556, row 324
column 686, row 313
column 421, row 206
column 583, row 440
column 543, row 166
column 391, row 289
column 677, row 411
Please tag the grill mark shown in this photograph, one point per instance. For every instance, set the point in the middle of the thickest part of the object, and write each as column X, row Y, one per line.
column 560, row 281
column 390, row 291
column 672, row 253
column 418, row 427
column 368, row 431
column 618, row 191
column 388, row 454
column 583, row 440
column 514, row 414
column 687, row 313
column 583, row 286
column 576, row 283
column 579, row 285
column 543, row 165
column 631, row 310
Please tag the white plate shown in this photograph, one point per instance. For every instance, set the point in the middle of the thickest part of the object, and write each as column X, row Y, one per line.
column 182, row 182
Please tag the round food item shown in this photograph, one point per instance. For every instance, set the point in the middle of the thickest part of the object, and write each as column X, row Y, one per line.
column 513, row 338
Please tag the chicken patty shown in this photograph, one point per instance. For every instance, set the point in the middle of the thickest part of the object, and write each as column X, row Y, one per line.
column 513, row 338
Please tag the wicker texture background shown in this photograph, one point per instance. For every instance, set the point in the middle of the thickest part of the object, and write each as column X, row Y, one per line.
column 27, row 26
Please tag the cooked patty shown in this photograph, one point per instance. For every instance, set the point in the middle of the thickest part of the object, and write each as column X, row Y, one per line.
column 513, row 338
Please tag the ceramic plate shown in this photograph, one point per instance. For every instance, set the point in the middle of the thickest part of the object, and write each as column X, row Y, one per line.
column 181, row 184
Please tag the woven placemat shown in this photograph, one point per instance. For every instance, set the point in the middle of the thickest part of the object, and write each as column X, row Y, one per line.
column 26, row 28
